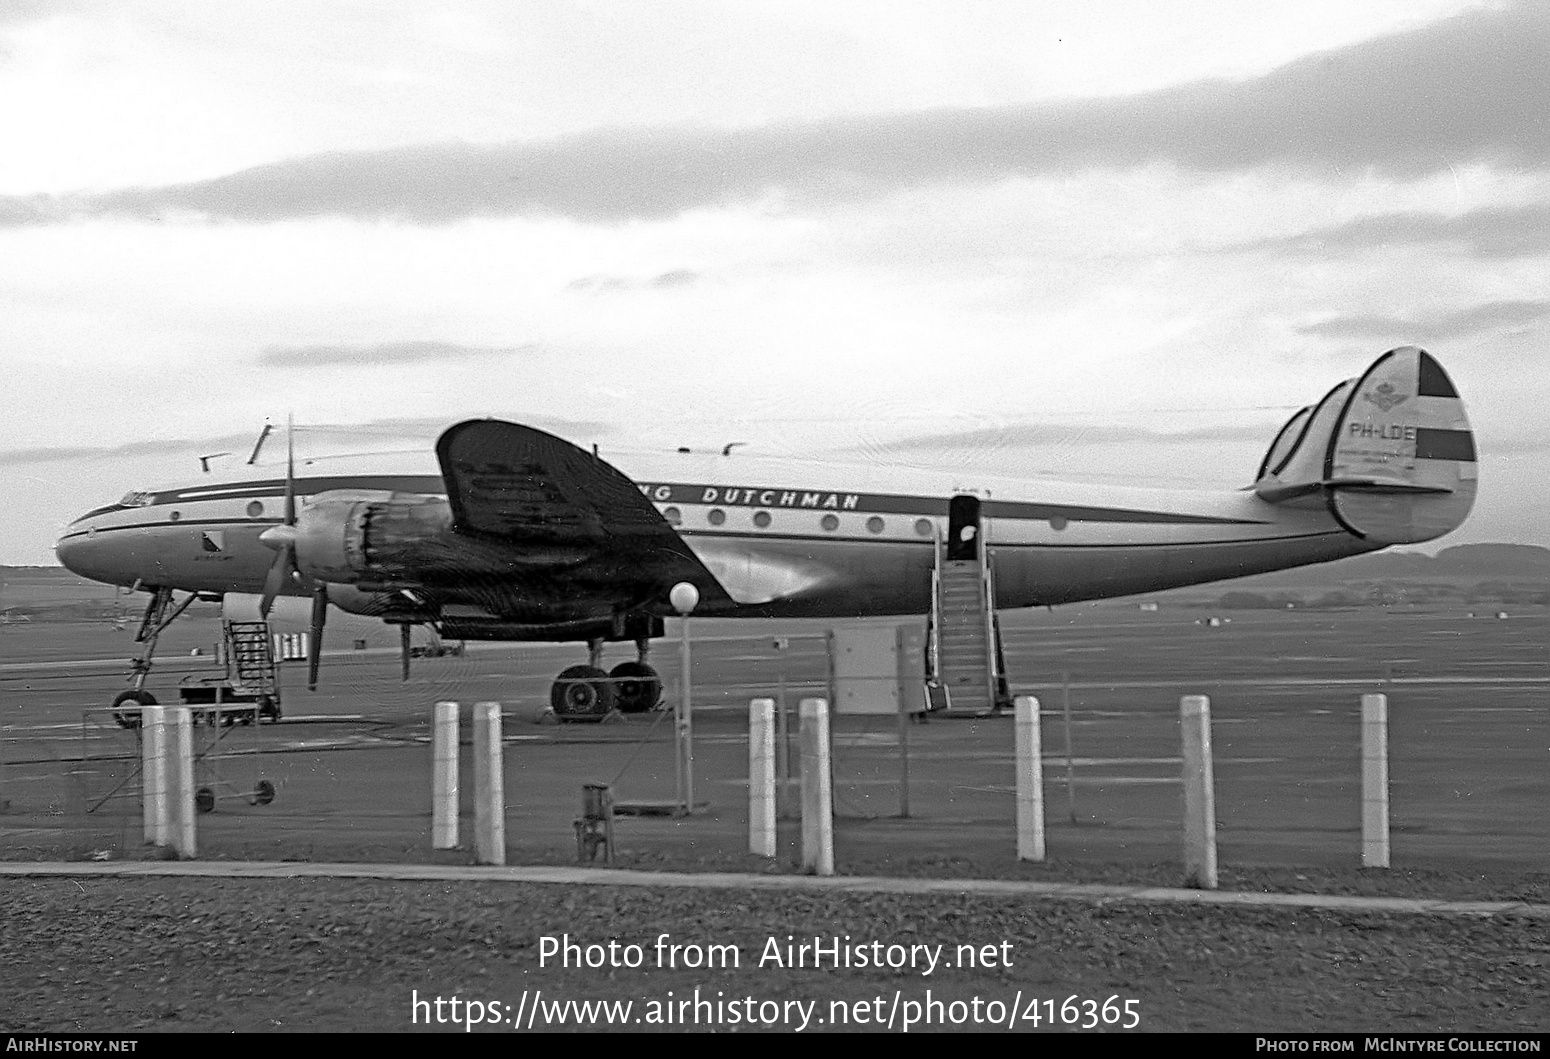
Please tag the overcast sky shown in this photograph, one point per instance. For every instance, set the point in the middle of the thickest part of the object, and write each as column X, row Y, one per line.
column 1114, row 240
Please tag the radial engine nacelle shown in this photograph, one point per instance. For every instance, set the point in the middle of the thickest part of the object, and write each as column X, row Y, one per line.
column 342, row 539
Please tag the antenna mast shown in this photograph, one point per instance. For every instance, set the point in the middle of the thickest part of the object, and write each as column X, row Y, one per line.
column 263, row 434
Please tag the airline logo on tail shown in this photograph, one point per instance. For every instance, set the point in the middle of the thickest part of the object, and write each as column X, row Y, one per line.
column 1385, row 396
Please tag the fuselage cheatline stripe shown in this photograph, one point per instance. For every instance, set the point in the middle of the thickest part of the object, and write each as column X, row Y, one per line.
column 690, row 494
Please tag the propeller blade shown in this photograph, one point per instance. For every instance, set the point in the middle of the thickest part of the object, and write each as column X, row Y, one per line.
column 275, row 579
column 315, row 641
column 403, row 645
column 290, row 472
column 282, row 538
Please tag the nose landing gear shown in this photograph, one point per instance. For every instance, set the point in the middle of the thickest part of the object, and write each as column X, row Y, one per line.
column 159, row 613
column 247, row 692
column 130, row 718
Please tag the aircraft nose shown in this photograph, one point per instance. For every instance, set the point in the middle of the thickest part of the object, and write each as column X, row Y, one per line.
column 69, row 549
column 80, row 552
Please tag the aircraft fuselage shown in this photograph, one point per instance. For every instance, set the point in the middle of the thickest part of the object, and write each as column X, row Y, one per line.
column 837, row 541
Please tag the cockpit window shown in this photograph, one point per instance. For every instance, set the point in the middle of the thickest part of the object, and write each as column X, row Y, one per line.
column 137, row 498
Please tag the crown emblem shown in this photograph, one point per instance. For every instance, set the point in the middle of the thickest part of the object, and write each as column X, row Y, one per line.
column 1384, row 396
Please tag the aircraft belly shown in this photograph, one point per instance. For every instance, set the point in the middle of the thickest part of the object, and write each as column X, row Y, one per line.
column 1040, row 576
column 828, row 578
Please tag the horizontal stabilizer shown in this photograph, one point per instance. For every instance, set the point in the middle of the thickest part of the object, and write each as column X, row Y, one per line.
column 1389, row 453
column 1281, row 494
column 1379, row 485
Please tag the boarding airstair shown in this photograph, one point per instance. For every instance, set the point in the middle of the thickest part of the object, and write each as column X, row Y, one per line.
column 964, row 647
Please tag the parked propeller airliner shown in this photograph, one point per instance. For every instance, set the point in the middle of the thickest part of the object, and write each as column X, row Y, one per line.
column 510, row 533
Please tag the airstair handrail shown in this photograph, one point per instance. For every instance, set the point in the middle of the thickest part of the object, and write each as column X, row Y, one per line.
column 988, row 590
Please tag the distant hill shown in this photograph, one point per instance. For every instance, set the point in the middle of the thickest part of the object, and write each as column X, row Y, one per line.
column 1510, row 560
column 1464, row 562
column 1472, row 575
column 22, row 586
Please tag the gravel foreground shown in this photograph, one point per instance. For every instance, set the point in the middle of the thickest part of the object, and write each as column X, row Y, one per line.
column 105, row 955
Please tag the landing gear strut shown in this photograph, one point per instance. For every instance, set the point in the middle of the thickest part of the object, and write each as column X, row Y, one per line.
column 159, row 613
column 586, row 692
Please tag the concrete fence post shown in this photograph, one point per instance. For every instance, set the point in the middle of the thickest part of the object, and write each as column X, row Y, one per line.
column 1375, row 781
column 153, row 774
column 444, row 775
column 1199, row 793
column 761, row 777
column 1030, row 780
column 489, row 786
column 181, row 780
column 817, row 789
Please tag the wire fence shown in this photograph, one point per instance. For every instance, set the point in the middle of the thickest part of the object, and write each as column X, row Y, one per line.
column 1468, row 757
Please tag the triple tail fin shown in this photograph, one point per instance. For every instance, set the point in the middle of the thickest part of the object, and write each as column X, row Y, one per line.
column 1390, row 453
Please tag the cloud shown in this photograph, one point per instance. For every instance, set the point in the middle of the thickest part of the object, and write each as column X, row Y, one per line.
column 1047, row 435
column 681, row 277
column 313, row 440
column 1489, row 232
column 1526, row 443
column 1491, row 316
column 378, row 353
column 17, row 211
column 1461, row 90
column 150, row 448
column 20, row 12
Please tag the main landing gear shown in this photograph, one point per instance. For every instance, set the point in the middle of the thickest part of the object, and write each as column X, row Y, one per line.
column 585, row 693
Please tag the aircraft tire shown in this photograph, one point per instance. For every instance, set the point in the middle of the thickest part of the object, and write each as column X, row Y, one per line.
column 131, row 718
column 581, row 692
column 637, row 688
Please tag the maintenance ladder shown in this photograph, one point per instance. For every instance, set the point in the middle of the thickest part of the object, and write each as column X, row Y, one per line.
column 251, row 658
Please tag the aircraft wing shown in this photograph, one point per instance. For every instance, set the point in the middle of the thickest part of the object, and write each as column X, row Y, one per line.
column 521, row 486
